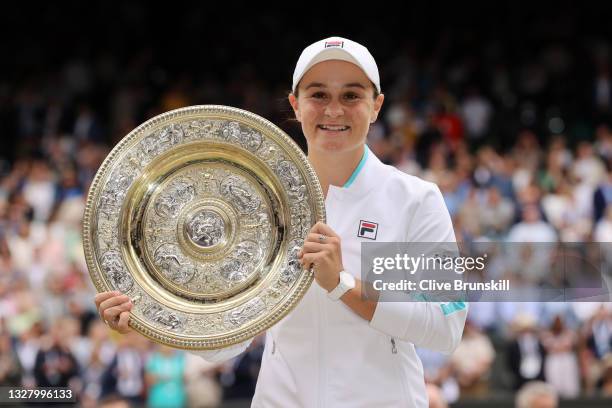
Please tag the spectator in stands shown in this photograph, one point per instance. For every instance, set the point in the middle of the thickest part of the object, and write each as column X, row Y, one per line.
column 10, row 369
column 605, row 384
column 596, row 345
column 561, row 365
column 531, row 242
column 55, row 365
column 164, row 373
column 239, row 375
column 476, row 113
column 603, row 229
column 525, row 353
column 39, row 189
column 94, row 353
column 602, row 197
column 472, row 360
column 439, row 372
column 113, row 401
column 588, row 167
column 537, row 394
column 496, row 213
column 27, row 347
column 124, row 376
column 201, row 385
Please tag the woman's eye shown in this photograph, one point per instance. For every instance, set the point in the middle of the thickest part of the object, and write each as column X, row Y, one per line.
column 318, row 95
column 351, row 96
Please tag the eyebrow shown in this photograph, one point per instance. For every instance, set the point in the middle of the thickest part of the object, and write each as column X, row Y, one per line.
column 321, row 85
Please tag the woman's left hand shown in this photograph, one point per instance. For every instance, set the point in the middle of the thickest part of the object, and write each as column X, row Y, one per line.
column 322, row 250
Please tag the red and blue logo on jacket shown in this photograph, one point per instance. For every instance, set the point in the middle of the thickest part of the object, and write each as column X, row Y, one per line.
column 367, row 229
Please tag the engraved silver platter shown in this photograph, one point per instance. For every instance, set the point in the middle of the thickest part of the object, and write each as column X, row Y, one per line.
column 198, row 215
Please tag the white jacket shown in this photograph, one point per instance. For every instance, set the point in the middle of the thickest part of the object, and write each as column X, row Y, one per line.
column 323, row 354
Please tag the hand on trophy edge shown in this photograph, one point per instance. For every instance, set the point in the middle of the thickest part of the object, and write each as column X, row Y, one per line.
column 114, row 309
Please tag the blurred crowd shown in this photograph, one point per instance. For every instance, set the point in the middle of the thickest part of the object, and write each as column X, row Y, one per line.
column 521, row 151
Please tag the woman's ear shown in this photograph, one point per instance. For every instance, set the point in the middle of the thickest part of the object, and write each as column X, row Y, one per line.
column 294, row 104
column 378, row 102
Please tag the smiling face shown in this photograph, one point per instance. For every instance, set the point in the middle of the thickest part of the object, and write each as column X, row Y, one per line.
column 335, row 105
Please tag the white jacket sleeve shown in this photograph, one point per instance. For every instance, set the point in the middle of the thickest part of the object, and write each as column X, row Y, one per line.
column 222, row 354
column 433, row 325
column 436, row 326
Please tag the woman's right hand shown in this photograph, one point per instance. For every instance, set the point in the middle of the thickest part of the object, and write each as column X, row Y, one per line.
column 114, row 308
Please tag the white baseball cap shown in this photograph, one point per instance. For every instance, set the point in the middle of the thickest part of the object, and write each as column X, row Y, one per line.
column 336, row 48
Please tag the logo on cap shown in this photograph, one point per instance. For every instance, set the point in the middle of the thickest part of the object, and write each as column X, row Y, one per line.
column 330, row 44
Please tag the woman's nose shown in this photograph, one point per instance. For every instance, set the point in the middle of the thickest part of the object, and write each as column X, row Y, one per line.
column 334, row 109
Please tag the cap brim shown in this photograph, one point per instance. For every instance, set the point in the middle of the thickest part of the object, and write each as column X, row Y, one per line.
column 326, row 55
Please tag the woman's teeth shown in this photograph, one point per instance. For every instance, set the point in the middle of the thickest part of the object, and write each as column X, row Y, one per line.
column 333, row 128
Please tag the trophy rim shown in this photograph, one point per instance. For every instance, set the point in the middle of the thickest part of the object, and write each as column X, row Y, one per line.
column 90, row 225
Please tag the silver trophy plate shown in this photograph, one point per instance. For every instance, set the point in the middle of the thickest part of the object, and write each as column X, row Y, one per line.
column 198, row 216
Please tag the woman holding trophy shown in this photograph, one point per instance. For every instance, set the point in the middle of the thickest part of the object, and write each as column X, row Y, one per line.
column 339, row 348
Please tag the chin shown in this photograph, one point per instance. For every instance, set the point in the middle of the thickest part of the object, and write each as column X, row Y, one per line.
column 333, row 146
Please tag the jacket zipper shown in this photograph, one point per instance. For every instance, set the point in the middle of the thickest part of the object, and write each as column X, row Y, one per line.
column 400, row 371
column 273, row 347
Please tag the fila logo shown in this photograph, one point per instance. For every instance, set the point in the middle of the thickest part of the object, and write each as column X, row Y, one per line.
column 367, row 229
column 330, row 44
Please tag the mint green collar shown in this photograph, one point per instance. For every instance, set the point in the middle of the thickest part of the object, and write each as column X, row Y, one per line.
column 359, row 167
